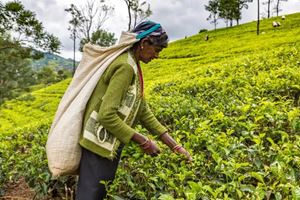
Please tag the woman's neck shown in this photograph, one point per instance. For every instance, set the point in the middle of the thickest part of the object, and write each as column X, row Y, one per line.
column 136, row 54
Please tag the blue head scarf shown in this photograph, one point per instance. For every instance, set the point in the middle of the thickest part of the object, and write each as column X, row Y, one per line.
column 152, row 30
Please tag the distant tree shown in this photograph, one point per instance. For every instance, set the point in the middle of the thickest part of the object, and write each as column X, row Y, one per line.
column 277, row 7
column 28, row 31
column 75, row 24
column 63, row 74
column 140, row 13
column 47, row 75
column 213, row 8
column 230, row 10
column 227, row 10
column 17, row 50
column 51, row 74
column 101, row 38
column 258, row 17
column 137, row 12
column 94, row 15
column 268, row 3
column 16, row 72
column 87, row 22
column 238, row 11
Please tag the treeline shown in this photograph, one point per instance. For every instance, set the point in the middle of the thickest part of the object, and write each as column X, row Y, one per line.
column 231, row 10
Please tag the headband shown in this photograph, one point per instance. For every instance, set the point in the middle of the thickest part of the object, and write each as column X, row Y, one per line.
column 147, row 32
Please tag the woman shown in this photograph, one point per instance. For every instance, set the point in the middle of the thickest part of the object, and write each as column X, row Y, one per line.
column 115, row 105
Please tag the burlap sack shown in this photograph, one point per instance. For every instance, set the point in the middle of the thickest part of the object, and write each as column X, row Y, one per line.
column 62, row 148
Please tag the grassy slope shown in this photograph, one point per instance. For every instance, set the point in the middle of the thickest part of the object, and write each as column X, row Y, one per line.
column 236, row 84
column 224, row 46
column 34, row 108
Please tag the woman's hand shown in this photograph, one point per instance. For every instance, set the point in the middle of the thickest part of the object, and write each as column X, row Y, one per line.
column 179, row 149
column 150, row 148
column 172, row 144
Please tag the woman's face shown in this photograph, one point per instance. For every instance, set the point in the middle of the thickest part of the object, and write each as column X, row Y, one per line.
column 149, row 51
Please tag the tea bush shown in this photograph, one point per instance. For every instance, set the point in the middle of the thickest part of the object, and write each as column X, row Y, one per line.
column 232, row 101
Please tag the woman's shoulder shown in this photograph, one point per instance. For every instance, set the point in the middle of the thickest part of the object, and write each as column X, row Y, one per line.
column 121, row 63
column 125, row 61
column 124, row 58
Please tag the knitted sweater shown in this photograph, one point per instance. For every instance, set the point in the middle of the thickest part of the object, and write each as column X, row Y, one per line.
column 106, row 100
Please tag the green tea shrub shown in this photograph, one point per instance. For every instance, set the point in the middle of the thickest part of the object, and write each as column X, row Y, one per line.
column 202, row 30
column 240, row 123
column 24, row 156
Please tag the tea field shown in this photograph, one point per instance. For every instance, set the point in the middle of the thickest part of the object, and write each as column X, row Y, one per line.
column 232, row 101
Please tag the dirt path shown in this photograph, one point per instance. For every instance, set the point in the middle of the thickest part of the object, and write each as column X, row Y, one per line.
column 18, row 191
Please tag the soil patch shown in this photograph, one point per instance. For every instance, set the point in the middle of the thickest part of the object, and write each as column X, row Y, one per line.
column 18, row 190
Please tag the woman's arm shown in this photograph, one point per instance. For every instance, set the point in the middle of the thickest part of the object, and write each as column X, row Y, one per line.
column 149, row 121
column 120, row 78
column 108, row 113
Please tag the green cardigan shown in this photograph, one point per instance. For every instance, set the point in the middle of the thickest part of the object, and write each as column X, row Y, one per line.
column 106, row 99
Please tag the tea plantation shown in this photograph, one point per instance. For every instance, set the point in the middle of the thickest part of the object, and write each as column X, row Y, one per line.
column 232, row 101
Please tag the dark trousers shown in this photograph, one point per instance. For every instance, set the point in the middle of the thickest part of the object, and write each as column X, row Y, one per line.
column 93, row 169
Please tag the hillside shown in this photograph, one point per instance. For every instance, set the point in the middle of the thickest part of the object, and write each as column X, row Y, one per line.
column 232, row 101
column 60, row 62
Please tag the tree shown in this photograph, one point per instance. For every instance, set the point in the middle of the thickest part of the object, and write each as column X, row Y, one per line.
column 18, row 49
column 140, row 14
column 86, row 24
column 51, row 74
column 258, row 17
column 212, row 7
column 94, row 15
column 137, row 12
column 277, row 8
column 268, row 3
column 16, row 72
column 231, row 10
column 28, row 30
column 226, row 10
column 75, row 24
column 101, row 38
column 240, row 5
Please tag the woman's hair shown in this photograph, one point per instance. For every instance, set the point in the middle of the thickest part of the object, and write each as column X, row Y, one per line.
column 157, row 37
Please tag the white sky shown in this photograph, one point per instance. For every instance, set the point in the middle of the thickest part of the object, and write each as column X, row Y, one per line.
column 180, row 18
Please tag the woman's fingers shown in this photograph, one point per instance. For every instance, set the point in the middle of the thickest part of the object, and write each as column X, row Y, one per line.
column 188, row 156
column 151, row 148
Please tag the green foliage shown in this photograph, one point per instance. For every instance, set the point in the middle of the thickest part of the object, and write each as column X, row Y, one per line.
column 17, row 75
column 228, row 10
column 14, row 18
column 86, row 23
column 51, row 74
column 232, row 101
column 213, row 8
column 101, row 38
column 15, row 70
column 203, row 30
column 16, row 50
column 76, row 21
column 137, row 12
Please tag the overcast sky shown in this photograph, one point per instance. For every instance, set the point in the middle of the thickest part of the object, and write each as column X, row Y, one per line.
column 180, row 18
